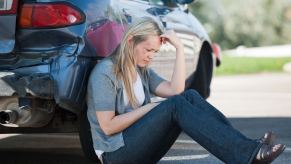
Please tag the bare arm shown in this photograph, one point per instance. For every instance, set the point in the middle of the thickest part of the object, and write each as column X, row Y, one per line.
column 177, row 83
column 111, row 124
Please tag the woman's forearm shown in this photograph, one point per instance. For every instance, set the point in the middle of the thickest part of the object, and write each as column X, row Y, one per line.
column 177, row 83
column 120, row 122
column 179, row 72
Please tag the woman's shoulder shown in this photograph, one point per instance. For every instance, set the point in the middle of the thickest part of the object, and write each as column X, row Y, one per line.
column 106, row 62
column 105, row 66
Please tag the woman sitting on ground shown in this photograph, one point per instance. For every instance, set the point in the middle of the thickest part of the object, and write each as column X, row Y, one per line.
column 128, row 129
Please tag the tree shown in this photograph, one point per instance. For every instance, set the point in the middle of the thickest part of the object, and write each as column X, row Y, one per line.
column 248, row 22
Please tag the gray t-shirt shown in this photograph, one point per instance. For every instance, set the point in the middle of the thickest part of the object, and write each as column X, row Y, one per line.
column 105, row 93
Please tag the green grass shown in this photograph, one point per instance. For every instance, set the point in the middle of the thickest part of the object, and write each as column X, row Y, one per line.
column 247, row 65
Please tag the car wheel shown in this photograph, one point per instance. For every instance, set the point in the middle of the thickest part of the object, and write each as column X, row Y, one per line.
column 200, row 80
column 86, row 138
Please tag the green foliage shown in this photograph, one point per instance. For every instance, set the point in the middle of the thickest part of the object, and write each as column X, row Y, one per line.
column 250, row 23
column 247, row 65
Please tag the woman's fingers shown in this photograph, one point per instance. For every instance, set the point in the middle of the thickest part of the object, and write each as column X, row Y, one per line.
column 171, row 37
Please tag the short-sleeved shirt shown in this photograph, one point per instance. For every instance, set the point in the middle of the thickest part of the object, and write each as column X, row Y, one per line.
column 105, row 93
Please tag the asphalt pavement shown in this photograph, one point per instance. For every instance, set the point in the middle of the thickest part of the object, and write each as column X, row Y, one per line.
column 253, row 103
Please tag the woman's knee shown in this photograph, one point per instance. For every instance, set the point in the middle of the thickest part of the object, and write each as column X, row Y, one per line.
column 177, row 100
column 191, row 92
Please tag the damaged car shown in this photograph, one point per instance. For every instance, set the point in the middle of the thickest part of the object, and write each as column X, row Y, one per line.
column 49, row 47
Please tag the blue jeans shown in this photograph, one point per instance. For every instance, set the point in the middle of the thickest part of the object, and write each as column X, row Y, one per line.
column 149, row 139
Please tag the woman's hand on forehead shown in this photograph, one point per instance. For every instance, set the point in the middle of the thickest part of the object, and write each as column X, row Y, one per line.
column 171, row 37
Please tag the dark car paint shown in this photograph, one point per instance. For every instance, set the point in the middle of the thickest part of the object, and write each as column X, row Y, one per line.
column 7, row 33
column 57, row 53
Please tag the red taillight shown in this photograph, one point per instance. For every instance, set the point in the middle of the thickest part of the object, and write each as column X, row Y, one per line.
column 8, row 7
column 49, row 15
column 217, row 53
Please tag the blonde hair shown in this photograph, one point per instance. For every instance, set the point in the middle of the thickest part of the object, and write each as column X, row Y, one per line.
column 125, row 64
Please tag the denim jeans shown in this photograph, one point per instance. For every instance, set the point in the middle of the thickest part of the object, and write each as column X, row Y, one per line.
column 149, row 139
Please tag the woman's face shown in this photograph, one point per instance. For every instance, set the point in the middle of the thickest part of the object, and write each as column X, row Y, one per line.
column 145, row 51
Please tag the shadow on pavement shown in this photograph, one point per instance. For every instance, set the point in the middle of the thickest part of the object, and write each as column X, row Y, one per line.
column 42, row 156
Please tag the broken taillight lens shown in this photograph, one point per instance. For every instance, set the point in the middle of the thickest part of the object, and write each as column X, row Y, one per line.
column 48, row 15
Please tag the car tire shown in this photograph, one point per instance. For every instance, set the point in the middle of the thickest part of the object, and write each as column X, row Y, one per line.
column 200, row 80
column 86, row 138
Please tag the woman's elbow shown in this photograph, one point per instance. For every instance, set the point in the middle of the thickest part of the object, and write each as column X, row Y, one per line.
column 108, row 133
column 107, row 130
column 178, row 90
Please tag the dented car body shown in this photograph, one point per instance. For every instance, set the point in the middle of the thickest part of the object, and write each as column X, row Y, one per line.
column 49, row 47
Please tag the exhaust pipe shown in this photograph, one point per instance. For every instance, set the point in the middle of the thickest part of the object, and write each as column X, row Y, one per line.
column 19, row 116
column 8, row 117
column 24, row 112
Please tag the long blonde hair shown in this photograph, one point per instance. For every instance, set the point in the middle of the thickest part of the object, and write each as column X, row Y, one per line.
column 125, row 63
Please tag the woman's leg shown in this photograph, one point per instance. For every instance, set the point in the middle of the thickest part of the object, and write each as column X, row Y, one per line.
column 194, row 98
column 145, row 137
column 268, row 152
column 211, row 132
column 166, row 143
